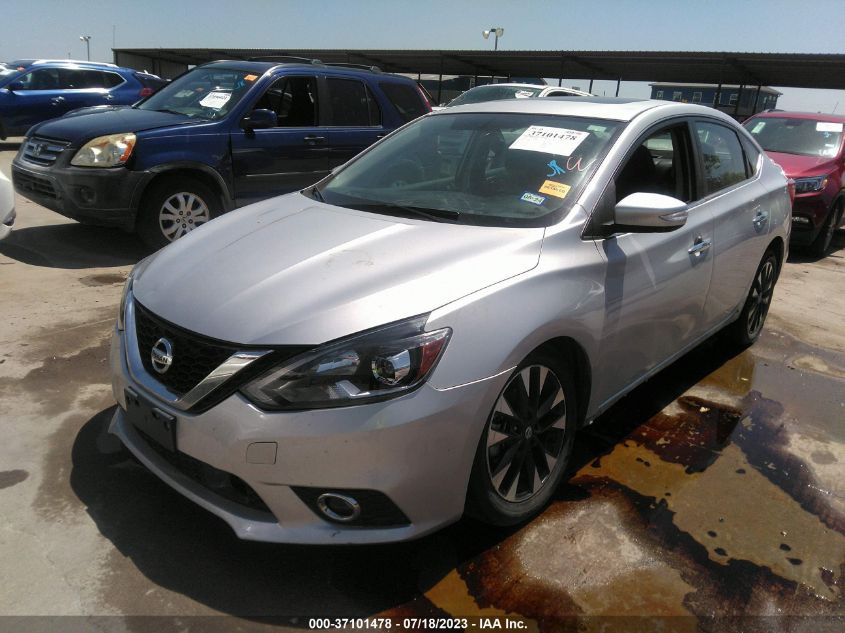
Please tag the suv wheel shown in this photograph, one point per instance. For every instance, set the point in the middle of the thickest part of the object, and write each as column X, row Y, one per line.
column 173, row 208
column 526, row 444
column 821, row 244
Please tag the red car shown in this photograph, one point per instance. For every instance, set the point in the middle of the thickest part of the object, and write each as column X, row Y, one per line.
column 809, row 149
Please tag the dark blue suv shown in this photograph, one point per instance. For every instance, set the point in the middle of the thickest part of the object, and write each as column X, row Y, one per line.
column 219, row 136
column 32, row 91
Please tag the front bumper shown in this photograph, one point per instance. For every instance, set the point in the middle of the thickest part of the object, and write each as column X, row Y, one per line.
column 809, row 212
column 416, row 450
column 106, row 197
column 6, row 224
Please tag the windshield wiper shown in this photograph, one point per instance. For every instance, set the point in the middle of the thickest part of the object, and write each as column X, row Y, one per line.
column 315, row 193
column 436, row 215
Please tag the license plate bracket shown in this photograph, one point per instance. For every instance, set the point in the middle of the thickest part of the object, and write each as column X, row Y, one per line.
column 156, row 424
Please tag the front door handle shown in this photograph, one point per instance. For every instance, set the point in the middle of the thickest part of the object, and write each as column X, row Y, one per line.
column 699, row 247
column 314, row 140
column 57, row 100
column 109, row 97
column 760, row 218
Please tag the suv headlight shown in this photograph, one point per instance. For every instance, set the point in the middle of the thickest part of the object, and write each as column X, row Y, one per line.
column 364, row 368
column 806, row 185
column 105, row 151
column 121, row 314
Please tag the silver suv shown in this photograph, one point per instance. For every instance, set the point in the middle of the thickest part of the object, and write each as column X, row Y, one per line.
column 424, row 331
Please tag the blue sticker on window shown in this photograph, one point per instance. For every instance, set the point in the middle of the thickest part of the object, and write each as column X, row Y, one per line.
column 557, row 170
column 533, row 198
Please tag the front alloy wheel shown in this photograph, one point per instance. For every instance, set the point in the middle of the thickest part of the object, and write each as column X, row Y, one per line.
column 526, row 434
column 524, row 449
column 182, row 212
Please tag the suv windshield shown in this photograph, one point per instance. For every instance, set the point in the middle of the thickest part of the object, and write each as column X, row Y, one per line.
column 504, row 169
column 797, row 136
column 495, row 93
column 207, row 93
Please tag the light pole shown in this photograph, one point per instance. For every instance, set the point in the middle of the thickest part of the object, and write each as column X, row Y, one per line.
column 498, row 31
column 87, row 40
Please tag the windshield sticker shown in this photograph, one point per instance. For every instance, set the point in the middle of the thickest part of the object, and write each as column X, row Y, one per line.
column 549, row 140
column 596, row 128
column 523, row 94
column 215, row 99
column 574, row 162
column 183, row 93
column 556, row 189
column 758, row 127
column 533, row 198
column 824, row 126
column 250, row 77
column 557, row 170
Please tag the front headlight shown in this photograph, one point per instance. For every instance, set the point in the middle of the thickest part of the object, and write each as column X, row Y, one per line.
column 806, row 185
column 364, row 368
column 105, row 151
column 121, row 315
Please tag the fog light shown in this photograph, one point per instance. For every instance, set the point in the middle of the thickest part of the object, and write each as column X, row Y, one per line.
column 87, row 195
column 800, row 219
column 338, row 507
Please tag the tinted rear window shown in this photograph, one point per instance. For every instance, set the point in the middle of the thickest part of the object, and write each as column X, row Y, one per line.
column 406, row 99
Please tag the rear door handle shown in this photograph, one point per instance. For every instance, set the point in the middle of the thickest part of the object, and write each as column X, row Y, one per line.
column 760, row 218
column 314, row 140
column 57, row 100
column 109, row 97
column 699, row 247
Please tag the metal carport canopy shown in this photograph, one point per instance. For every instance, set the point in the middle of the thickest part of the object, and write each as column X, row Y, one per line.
column 770, row 69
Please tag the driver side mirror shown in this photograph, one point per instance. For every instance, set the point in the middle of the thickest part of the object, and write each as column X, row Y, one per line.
column 260, row 119
column 649, row 213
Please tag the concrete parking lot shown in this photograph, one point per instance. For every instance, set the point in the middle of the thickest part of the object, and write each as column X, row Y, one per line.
column 717, row 489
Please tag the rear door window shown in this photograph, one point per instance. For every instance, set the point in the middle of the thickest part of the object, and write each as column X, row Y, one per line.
column 407, row 101
column 352, row 104
column 722, row 159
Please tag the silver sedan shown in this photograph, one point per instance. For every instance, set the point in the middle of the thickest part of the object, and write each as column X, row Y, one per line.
column 422, row 333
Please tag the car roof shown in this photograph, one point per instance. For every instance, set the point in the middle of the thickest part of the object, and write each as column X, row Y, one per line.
column 616, row 109
column 511, row 85
column 812, row 116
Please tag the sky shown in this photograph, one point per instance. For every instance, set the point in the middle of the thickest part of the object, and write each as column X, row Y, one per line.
column 51, row 28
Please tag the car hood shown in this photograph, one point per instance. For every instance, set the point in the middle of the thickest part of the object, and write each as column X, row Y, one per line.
column 796, row 165
column 84, row 124
column 290, row 270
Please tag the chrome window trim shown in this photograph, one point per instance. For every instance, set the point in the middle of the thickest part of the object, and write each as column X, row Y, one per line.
column 228, row 368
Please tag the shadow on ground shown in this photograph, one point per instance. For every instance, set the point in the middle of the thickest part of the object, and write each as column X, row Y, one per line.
column 179, row 546
column 799, row 255
column 73, row 246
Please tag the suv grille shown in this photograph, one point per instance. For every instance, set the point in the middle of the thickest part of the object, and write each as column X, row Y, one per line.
column 194, row 356
column 43, row 151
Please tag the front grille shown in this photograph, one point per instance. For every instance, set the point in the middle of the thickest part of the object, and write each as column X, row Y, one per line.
column 221, row 483
column 194, row 356
column 34, row 184
column 43, row 151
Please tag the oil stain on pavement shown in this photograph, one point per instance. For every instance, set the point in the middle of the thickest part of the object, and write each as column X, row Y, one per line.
column 717, row 503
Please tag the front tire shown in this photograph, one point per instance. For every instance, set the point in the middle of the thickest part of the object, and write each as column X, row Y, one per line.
column 820, row 246
column 173, row 208
column 747, row 328
column 526, row 445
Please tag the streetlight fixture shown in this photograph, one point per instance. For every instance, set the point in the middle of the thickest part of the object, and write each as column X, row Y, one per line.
column 87, row 40
column 498, row 31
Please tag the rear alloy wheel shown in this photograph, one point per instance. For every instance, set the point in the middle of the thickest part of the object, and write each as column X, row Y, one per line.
column 750, row 323
column 526, row 444
column 175, row 208
column 821, row 244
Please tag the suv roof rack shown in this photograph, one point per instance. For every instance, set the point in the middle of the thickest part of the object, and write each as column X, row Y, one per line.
column 72, row 61
column 371, row 68
column 286, row 59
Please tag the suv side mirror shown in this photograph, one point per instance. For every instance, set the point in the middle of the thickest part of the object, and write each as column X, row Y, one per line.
column 259, row 120
column 649, row 213
column 15, row 85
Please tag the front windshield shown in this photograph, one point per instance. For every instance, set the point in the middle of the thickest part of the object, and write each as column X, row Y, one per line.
column 206, row 93
column 507, row 169
column 494, row 93
column 797, row 136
